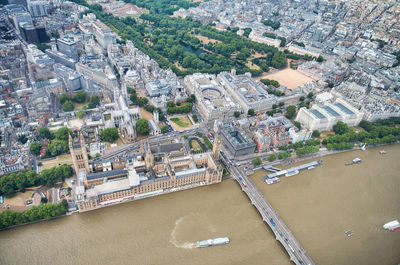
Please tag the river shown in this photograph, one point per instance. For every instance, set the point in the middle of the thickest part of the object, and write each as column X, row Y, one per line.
column 158, row 230
column 318, row 206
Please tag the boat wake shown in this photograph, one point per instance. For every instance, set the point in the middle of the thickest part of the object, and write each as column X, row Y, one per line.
column 174, row 241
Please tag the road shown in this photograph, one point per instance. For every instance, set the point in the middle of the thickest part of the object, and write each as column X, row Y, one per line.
column 297, row 254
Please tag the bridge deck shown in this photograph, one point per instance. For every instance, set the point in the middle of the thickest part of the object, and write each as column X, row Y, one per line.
column 297, row 254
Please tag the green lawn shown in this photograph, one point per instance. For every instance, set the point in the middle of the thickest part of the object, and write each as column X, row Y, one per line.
column 180, row 122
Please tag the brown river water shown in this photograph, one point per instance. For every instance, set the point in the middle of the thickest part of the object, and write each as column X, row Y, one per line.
column 318, row 206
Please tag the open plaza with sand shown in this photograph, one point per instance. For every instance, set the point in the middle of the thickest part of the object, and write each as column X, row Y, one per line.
column 287, row 77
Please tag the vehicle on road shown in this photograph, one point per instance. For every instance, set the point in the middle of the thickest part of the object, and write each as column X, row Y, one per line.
column 244, row 184
column 272, row 222
column 291, row 248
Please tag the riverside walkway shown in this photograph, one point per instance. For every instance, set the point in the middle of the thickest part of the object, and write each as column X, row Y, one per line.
column 282, row 233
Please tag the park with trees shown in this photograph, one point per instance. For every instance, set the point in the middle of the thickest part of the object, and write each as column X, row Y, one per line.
column 29, row 178
column 58, row 142
column 10, row 218
column 174, row 43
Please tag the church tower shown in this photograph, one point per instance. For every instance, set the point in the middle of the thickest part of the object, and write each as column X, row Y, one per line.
column 217, row 147
column 79, row 155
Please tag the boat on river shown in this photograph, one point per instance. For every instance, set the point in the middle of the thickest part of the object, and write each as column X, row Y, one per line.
column 392, row 225
column 213, row 242
column 354, row 161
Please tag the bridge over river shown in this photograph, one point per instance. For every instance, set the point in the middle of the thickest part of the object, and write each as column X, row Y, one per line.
column 282, row 233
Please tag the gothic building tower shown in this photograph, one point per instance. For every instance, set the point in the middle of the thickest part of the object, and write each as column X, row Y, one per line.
column 149, row 158
column 79, row 155
column 217, row 147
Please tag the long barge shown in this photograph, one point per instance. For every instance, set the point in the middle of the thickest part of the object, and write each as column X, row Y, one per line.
column 272, row 178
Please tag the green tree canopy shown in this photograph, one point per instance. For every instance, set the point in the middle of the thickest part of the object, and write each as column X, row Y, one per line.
column 290, row 112
column 62, row 98
column 142, row 126
column 35, row 148
column 236, row 114
column 62, row 133
column 80, row 97
column 340, row 128
column 68, row 106
column 251, row 112
column 164, row 129
column 109, row 135
column 57, row 147
column 297, row 124
column 44, row 132
column 271, row 157
column 257, row 161
column 316, row 133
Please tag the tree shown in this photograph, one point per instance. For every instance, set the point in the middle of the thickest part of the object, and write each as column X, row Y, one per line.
column 302, row 98
column 22, row 139
column 164, row 129
column 320, row 59
column 68, row 106
column 80, row 97
column 35, row 148
column 290, row 112
column 142, row 126
column 62, row 98
column 57, row 147
column 330, row 84
column 250, row 112
column 271, row 157
column 43, row 200
column 310, row 95
column 191, row 99
column 45, row 133
column 297, row 124
column 62, row 133
column 109, row 135
column 257, row 161
column 284, row 155
column 316, row 133
column 236, row 114
column 79, row 114
column 340, row 128
column 94, row 101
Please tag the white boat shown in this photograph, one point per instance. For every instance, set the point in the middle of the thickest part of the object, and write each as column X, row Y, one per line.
column 392, row 225
column 272, row 180
column 213, row 242
column 382, row 152
column 363, row 147
column 311, row 168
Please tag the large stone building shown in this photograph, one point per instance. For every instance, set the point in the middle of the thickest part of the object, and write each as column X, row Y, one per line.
column 124, row 117
column 78, row 152
column 213, row 100
column 237, row 142
column 154, row 170
column 323, row 117
column 248, row 93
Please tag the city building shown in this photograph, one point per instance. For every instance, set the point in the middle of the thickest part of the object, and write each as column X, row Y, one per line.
column 323, row 117
column 155, row 170
column 68, row 47
column 124, row 118
column 213, row 102
column 237, row 141
column 246, row 92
